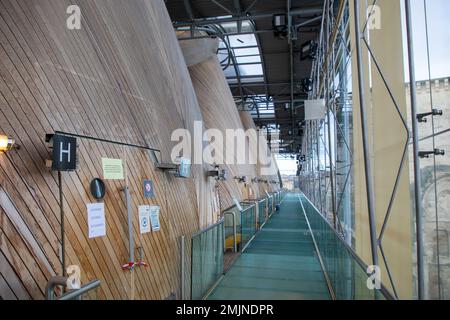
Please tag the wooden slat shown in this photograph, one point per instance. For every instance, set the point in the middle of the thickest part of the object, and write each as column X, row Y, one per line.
column 94, row 82
column 5, row 291
column 12, row 279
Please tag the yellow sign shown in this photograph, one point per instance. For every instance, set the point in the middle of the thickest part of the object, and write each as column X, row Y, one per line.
column 112, row 169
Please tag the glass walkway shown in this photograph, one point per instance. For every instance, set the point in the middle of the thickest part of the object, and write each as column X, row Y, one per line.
column 279, row 264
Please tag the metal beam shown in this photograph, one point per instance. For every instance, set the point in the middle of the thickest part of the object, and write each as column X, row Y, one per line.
column 291, row 58
column 305, row 23
column 188, row 7
column 258, row 84
column 190, row 13
column 222, row 6
column 415, row 136
column 365, row 138
column 204, row 21
column 237, row 6
column 250, row 7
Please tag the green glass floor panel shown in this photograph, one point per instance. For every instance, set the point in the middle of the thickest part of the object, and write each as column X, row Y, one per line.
column 256, row 294
column 279, row 264
column 294, row 275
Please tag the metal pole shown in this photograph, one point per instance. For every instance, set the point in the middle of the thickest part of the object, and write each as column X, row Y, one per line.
column 319, row 166
column 365, row 139
column 130, row 223
column 291, row 62
column 183, row 248
column 52, row 283
column 311, row 152
column 329, row 109
column 415, row 136
column 335, row 121
column 61, row 207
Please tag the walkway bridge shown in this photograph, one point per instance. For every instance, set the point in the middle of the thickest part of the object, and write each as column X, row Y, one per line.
column 294, row 254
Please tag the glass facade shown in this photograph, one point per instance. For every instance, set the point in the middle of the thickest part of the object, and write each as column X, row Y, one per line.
column 329, row 141
column 333, row 175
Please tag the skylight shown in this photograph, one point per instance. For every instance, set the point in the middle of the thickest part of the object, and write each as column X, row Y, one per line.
column 246, row 65
column 243, row 40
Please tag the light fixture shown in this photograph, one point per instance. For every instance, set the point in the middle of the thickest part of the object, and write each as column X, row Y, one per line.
column 7, row 144
column 242, row 179
column 309, row 51
column 280, row 25
column 220, row 175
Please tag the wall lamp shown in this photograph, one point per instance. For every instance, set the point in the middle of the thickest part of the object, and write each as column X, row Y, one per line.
column 7, row 144
column 242, row 179
column 220, row 175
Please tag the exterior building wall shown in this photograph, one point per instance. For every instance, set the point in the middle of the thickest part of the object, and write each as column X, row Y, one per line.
column 435, row 185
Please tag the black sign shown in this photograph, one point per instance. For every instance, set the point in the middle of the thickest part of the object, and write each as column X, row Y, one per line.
column 64, row 153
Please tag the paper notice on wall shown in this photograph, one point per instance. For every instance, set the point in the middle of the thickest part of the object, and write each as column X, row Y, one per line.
column 154, row 218
column 185, row 168
column 112, row 169
column 144, row 219
column 315, row 109
column 96, row 220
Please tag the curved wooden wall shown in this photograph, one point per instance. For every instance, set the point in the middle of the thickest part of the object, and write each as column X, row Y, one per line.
column 248, row 123
column 121, row 77
column 220, row 112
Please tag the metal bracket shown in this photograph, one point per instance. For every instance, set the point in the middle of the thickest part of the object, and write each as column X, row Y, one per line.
column 435, row 152
column 422, row 117
column 167, row 166
column 220, row 175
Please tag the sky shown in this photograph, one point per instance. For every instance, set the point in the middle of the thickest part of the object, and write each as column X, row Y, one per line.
column 287, row 166
column 438, row 16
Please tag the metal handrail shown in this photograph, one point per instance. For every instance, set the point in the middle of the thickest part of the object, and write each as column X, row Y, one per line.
column 262, row 223
column 270, row 206
column 207, row 228
column 74, row 294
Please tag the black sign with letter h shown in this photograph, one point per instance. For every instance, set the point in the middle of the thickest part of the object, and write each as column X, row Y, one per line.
column 64, row 154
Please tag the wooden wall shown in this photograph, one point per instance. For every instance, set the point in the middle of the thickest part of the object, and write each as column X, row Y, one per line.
column 121, row 77
column 220, row 113
column 267, row 159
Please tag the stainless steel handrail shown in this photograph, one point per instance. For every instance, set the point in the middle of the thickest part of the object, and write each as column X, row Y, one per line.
column 208, row 228
column 74, row 294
